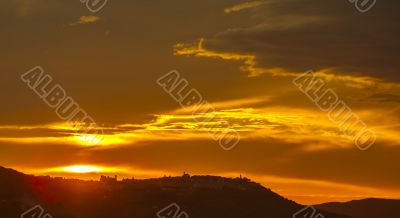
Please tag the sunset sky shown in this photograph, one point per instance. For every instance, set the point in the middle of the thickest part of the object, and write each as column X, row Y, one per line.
column 241, row 56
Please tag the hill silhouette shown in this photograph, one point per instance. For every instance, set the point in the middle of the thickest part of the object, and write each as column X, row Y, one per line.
column 198, row 196
column 366, row 208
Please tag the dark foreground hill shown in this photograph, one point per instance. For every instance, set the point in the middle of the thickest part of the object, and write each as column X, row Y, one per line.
column 367, row 208
column 198, row 196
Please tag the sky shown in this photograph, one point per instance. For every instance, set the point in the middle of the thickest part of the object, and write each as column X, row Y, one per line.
column 241, row 57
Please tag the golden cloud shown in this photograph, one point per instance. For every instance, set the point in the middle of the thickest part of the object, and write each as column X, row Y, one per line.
column 250, row 66
column 86, row 20
column 308, row 126
column 243, row 6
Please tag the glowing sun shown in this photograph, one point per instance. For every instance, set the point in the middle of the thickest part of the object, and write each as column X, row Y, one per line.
column 82, row 169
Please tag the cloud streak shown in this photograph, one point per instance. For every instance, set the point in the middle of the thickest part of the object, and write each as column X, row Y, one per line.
column 243, row 6
column 321, row 36
column 86, row 20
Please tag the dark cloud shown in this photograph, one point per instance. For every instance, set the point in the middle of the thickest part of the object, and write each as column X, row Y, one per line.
column 384, row 97
column 299, row 35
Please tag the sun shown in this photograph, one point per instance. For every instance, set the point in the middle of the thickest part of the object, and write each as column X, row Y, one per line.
column 82, row 169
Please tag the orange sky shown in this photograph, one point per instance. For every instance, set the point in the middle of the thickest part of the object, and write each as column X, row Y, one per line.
column 242, row 58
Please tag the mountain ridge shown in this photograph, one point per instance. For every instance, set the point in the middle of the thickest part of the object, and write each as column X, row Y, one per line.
column 199, row 196
column 365, row 208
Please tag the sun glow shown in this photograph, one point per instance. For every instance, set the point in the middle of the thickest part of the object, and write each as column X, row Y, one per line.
column 89, row 139
column 82, row 169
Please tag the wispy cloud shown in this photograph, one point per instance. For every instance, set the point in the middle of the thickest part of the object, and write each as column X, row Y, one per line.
column 253, row 68
column 243, row 6
column 86, row 20
column 247, row 116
